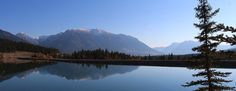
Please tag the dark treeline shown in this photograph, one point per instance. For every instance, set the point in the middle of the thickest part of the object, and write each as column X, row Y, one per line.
column 220, row 55
column 98, row 54
column 169, row 57
column 105, row 54
column 11, row 46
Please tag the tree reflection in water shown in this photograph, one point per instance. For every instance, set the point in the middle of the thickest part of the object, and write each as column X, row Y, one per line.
column 212, row 80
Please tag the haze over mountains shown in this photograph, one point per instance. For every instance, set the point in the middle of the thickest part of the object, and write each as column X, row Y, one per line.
column 185, row 48
column 88, row 39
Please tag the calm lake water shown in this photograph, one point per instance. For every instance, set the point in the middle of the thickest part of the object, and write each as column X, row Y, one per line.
column 78, row 77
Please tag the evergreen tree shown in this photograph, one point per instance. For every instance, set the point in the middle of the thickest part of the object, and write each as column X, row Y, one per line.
column 208, row 30
column 211, row 35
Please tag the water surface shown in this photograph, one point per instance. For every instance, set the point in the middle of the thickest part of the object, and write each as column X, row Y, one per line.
column 87, row 77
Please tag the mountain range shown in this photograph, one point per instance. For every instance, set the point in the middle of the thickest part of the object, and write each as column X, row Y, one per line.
column 9, row 36
column 91, row 39
column 185, row 47
column 86, row 39
column 26, row 37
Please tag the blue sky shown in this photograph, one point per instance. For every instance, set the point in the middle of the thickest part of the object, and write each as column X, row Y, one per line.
column 154, row 22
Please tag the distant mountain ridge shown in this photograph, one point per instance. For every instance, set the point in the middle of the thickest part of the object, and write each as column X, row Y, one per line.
column 28, row 38
column 11, row 43
column 9, row 36
column 185, row 48
column 90, row 39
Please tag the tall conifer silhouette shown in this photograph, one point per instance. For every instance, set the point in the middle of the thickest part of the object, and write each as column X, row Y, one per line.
column 211, row 35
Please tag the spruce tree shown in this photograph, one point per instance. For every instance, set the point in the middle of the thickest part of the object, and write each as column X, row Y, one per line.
column 208, row 30
column 211, row 35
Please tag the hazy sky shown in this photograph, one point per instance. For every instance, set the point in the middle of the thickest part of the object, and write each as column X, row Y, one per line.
column 154, row 22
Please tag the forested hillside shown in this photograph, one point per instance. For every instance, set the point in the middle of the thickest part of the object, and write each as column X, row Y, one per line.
column 11, row 46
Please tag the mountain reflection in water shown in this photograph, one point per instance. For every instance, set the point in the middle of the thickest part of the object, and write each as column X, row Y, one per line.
column 8, row 71
column 68, row 71
column 84, row 71
column 87, row 77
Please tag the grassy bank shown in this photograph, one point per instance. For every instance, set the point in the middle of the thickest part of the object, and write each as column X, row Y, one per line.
column 12, row 57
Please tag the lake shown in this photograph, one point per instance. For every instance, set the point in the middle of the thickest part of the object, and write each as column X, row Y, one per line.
column 88, row 77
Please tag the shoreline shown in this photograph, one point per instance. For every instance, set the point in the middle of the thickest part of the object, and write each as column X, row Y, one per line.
column 170, row 63
column 12, row 57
